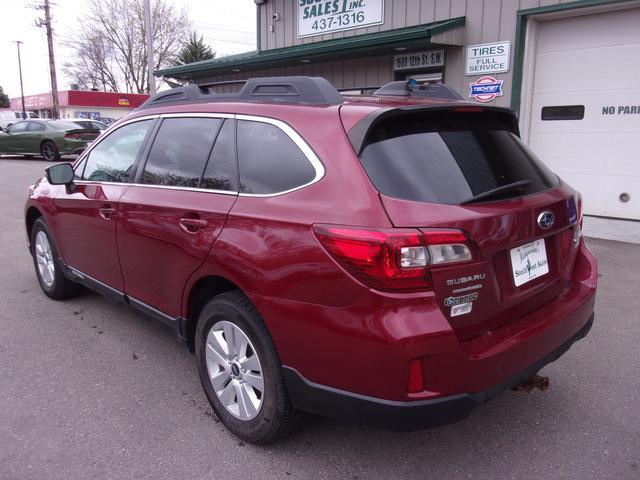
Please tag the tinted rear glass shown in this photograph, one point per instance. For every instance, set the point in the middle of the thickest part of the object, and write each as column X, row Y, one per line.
column 449, row 157
column 62, row 125
column 269, row 160
column 221, row 171
column 180, row 151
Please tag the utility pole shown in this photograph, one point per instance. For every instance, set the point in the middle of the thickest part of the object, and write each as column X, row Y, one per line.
column 52, row 62
column 149, row 31
column 24, row 113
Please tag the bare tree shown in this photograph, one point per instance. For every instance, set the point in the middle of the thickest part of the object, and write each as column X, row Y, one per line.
column 111, row 52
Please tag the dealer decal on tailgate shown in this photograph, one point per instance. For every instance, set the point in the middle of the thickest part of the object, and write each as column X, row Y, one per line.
column 529, row 261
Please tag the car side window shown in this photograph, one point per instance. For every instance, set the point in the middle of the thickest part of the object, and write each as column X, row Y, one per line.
column 269, row 161
column 78, row 168
column 19, row 127
column 180, row 151
column 35, row 127
column 113, row 158
column 221, row 170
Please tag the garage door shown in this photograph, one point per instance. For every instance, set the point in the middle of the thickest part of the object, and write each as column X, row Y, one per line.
column 585, row 110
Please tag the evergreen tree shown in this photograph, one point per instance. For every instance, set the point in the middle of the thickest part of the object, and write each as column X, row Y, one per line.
column 4, row 99
column 194, row 50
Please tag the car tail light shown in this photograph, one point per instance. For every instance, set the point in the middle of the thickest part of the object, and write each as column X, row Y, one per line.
column 393, row 259
column 577, row 229
column 415, row 382
column 578, row 199
column 73, row 136
column 468, row 109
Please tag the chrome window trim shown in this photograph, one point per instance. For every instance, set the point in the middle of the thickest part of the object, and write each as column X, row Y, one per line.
column 167, row 187
column 104, row 135
column 286, row 128
column 300, row 143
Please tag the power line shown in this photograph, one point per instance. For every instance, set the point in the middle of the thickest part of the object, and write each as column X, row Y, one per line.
column 236, row 13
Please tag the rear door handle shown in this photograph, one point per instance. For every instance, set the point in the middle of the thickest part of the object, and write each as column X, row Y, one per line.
column 107, row 212
column 192, row 225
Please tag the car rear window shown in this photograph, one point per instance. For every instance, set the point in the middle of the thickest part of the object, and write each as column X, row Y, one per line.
column 269, row 160
column 450, row 157
column 180, row 151
column 62, row 125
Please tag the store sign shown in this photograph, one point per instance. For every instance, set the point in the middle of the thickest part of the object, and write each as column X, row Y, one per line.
column 92, row 115
column 317, row 17
column 485, row 89
column 488, row 58
column 413, row 61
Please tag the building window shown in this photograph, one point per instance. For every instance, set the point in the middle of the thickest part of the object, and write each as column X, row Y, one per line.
column 563, row 112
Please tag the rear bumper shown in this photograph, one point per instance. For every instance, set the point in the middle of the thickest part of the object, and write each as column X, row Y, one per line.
column 74, row 148
column 405, row 416
column 73, row 151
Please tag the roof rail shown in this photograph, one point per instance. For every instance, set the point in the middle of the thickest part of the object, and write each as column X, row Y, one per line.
column 411, row 88
column 298, row 90
column 359, row 87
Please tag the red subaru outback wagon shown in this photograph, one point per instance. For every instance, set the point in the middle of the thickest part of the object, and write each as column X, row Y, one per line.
column 394, row 259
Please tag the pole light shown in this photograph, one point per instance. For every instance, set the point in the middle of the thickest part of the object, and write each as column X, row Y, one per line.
column 149, row 31
column 24, row 112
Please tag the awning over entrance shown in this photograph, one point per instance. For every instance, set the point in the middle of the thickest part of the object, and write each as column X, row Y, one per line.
column 446, row 32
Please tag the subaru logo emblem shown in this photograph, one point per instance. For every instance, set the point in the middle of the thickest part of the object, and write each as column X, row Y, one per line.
column 545, row 220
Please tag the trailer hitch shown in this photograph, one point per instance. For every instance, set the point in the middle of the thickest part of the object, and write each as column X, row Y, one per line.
column 537, row 381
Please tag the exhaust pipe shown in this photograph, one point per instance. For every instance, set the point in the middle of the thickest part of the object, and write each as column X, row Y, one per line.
column 537, row 381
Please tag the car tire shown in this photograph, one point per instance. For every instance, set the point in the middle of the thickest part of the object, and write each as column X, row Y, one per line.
column 256, row 416
column 49, row 151
column 48, row 266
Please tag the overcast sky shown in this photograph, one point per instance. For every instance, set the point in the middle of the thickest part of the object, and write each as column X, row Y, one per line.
column 229, row 27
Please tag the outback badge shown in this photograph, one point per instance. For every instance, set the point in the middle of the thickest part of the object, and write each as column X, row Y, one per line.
column 451, row 301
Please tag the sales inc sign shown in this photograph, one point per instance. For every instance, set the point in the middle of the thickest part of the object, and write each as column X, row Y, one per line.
column 488, row 58
column 317, row 17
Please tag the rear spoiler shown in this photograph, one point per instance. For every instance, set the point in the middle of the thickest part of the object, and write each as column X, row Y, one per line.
column 358, row 133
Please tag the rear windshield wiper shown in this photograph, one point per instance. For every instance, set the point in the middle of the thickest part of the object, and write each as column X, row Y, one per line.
column 496, row 191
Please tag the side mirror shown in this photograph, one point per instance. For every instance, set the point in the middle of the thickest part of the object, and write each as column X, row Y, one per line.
column 60, row 174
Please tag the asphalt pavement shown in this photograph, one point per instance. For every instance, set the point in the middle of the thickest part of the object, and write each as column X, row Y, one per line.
column 92, row 390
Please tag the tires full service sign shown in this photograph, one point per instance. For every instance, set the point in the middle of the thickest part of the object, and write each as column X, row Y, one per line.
column 317, row 17
column 485, row 89
column 488, row 58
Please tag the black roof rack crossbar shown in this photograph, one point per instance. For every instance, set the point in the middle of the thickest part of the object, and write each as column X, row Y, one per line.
column 297, row 90
column 359, row 87
column 217, row 84
column 411, row 88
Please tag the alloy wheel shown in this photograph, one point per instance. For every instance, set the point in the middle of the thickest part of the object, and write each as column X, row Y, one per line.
column 44, row 259
column 234, row 370
column 48, row 152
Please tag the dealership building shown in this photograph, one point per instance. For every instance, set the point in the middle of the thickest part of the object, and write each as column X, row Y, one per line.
column 570, row 69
